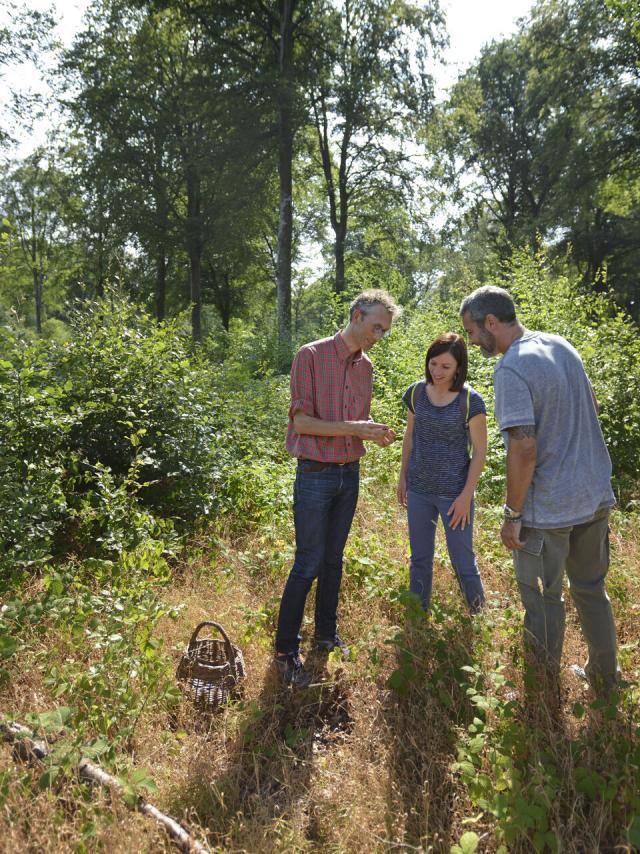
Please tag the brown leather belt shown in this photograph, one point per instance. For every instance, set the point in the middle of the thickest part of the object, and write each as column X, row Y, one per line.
column 316, row 466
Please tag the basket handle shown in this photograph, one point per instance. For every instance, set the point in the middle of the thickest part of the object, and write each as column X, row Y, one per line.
column 227, row 643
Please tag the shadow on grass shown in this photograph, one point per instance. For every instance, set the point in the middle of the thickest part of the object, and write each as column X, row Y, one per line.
column 248, row 784
column 427, row 703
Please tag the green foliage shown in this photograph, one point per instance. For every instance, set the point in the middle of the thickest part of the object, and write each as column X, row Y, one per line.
column 545, row 124
column 468, row 844
column 513, row 768
column 33, row 425
column 123, row 417
column 136, row 394
column 604, row 336
column 108, row 666
column 606, row 339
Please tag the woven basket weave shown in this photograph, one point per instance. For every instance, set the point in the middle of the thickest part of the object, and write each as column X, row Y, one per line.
column 212, row 669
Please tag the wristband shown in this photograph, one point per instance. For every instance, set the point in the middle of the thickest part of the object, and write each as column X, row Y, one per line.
column 511, row 515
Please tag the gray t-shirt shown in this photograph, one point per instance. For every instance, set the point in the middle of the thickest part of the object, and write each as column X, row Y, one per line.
column 541, row 381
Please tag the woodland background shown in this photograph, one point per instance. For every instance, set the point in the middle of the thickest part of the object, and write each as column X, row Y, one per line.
column 227, row 176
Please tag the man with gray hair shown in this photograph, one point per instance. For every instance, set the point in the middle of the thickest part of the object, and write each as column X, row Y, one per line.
column 331, row 385
column 558, row 481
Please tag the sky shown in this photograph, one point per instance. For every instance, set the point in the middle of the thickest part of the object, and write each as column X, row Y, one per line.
column 470, row 24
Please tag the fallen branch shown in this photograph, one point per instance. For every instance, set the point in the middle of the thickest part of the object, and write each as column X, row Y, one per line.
column 28, row 748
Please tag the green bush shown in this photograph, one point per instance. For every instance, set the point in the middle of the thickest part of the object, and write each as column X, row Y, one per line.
column 135, row 393
column 33, row 428
column 127, row 404
column 607, row 340
column 605, row 337
column 125, row 415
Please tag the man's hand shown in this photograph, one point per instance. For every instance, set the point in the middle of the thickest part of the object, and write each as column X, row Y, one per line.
column 381, row 434
column 460, row 512
column 386, row 439
column 510, row 534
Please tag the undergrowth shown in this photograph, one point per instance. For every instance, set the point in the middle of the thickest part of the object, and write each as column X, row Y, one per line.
column 143, row 489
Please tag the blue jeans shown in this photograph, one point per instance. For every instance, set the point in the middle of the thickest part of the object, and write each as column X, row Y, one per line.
column 422, row 514
column 323, row 506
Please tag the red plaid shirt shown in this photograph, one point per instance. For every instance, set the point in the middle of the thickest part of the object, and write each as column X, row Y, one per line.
column 330, row 383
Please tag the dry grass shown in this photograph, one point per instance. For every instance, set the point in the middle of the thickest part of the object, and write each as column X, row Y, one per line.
column 349, row 765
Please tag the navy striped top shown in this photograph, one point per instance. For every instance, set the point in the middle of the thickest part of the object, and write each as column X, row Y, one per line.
column 439, row 460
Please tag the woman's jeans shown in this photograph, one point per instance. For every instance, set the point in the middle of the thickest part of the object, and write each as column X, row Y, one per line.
column 323, row 505
column 422, row 513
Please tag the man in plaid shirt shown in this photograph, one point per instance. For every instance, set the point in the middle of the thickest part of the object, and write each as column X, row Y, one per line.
column 331, row 383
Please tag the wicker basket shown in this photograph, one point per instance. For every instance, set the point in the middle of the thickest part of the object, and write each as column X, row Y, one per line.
column 211, row 669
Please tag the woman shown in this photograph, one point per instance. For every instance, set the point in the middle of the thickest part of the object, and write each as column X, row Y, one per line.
column 439, row 474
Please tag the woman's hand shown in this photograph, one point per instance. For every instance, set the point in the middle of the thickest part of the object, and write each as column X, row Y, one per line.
column 401, row 490
column 460, row 511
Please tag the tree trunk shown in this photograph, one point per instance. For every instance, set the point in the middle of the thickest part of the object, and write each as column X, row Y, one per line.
column 161, row 285
column 285, row 156
column 195, row 278
column 343, row 215
column 225, row 313
column 99, row 288
column 338, row 209
column 194, row 245
column 37, row 296
column 222, row 296
column 35, row 272
column 162, row 230
column 338, row 248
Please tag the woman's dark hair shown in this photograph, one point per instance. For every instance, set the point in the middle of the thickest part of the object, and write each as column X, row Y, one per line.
column 454, row 344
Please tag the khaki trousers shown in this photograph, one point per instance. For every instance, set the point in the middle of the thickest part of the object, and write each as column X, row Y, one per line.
column 583, row 551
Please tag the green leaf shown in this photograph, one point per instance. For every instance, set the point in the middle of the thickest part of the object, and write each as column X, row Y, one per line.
column 140, row 779
column 468, row 843
column 53, row 721
column 8, row 646
column 467, row 768
column 633, row 832
column 97, row 748
column 588, row 782
column 397, row 681
column 49, row 777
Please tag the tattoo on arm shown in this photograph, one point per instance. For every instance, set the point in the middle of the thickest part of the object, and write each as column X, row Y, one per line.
column 526, row 432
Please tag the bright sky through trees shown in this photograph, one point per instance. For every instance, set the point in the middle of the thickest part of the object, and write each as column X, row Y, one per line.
column 473, row 23
column 470, row 24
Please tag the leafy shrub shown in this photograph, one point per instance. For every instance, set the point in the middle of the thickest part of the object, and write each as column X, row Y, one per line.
column 607, row 340
column 33, row 427
column 605, row 337
column 135, row 393
column 124, row 415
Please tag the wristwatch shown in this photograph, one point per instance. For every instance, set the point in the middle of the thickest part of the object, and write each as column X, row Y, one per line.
column 511, row 515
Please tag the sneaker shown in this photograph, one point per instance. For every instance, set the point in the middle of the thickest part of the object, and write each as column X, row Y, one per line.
column 579, row 672
column 291, row 671
column 329, row 645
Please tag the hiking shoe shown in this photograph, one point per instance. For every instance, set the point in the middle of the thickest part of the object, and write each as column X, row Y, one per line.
column 291, row 671
column 579, row 672
column 330, row 644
